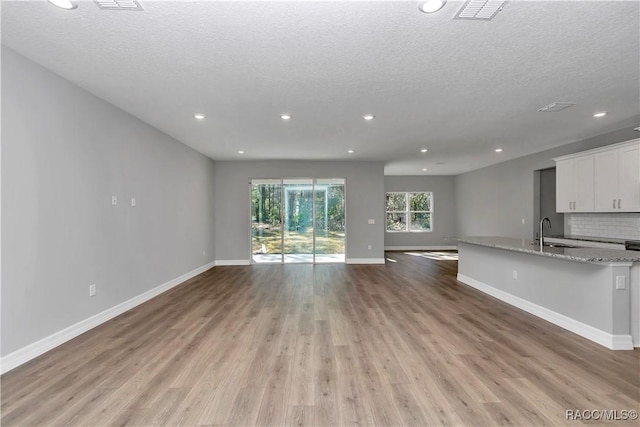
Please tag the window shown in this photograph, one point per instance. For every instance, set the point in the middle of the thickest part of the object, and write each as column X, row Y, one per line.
column 409, row 212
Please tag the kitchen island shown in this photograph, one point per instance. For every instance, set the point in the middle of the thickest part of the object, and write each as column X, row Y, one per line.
column 593, row 292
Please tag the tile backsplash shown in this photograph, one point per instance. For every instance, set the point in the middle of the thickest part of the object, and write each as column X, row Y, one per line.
column 613, row 225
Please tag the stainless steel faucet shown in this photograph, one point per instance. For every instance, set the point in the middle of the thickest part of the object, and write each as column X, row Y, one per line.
column 542, row 221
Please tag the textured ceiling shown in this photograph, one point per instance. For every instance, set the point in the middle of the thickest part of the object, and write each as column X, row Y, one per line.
column 460, row 88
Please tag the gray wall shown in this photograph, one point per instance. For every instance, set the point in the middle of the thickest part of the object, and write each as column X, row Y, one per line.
column 444, row 205
column 582, row 291
column 493, row 200
column 365, row 200
column 65, row 152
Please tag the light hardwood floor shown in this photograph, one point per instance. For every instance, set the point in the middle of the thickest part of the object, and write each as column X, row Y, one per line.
column 325, row 345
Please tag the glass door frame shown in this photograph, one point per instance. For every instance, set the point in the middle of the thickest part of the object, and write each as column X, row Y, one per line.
column 344, row 196
column 282, row 219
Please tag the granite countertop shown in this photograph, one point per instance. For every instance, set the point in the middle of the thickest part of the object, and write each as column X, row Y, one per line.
column 591, row 239
column 572, row 254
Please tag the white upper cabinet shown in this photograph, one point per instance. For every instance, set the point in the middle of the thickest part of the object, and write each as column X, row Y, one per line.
column 606, row 185
column 584, row 184
column 629, row 178
column 564, row 185
column 618, row 179
column 602, row 180
column 574, row 184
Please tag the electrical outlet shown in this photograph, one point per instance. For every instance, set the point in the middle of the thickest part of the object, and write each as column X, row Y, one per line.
column 369, row 247
column 92, row 290
column 514, row 273
column 620, row 282
column 371, row 221
column 133, row 201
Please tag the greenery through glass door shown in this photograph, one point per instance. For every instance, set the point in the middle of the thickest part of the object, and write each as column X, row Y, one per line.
column 271, row 203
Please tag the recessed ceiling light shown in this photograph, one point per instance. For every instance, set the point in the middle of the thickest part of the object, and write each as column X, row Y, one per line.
column 498, row 150
column 285, row 116
column 600, row 114
column 240, row 152
column 350, row 151
column 424, row 169
column 64, row 4
column 424, row 150
column 199, row 116
column 368, row 117
column 431, row 6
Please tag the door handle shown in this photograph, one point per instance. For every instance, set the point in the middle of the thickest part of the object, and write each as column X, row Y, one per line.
column 614, row 203
column 619, row 203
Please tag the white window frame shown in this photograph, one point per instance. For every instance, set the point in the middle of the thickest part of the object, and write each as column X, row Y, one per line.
column 408, row 212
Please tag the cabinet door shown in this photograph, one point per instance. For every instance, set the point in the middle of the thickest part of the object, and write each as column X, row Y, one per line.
column 606, row 181
column 564, row 185
column 583, row 184
column 629, row 179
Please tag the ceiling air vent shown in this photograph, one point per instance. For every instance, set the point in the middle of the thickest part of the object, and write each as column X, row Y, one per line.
column 483, row 10
column 556, row 106
column 119, row 4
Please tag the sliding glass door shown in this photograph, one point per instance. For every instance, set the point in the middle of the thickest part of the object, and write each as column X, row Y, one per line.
column 266, row 220
column 298, row 220
column 330, row 220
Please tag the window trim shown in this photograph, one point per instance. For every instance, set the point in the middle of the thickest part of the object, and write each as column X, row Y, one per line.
column 408, row 212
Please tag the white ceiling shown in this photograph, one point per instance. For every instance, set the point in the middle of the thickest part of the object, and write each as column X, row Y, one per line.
column 460, row 88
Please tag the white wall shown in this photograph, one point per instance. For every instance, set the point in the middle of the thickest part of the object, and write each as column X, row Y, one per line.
column 443, row 217
column 65, row 152
column 364, row 200
column 493, row 200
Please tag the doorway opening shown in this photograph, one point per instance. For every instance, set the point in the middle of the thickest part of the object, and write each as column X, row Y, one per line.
column 545, row 203
column 298, row 220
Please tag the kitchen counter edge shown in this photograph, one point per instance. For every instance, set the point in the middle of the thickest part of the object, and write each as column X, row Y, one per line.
column 589, row 255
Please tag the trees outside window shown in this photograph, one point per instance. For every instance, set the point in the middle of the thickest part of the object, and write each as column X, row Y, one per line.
column 409, row 211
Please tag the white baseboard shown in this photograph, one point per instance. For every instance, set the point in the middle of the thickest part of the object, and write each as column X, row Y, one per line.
column 365, row 260
column 225, row 262
column 613, row 342
column 420, row 248
column 25, row 354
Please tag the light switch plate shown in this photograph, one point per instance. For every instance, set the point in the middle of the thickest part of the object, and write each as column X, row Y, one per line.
column 114, row 200
column 372, row 221
column 133, row 201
